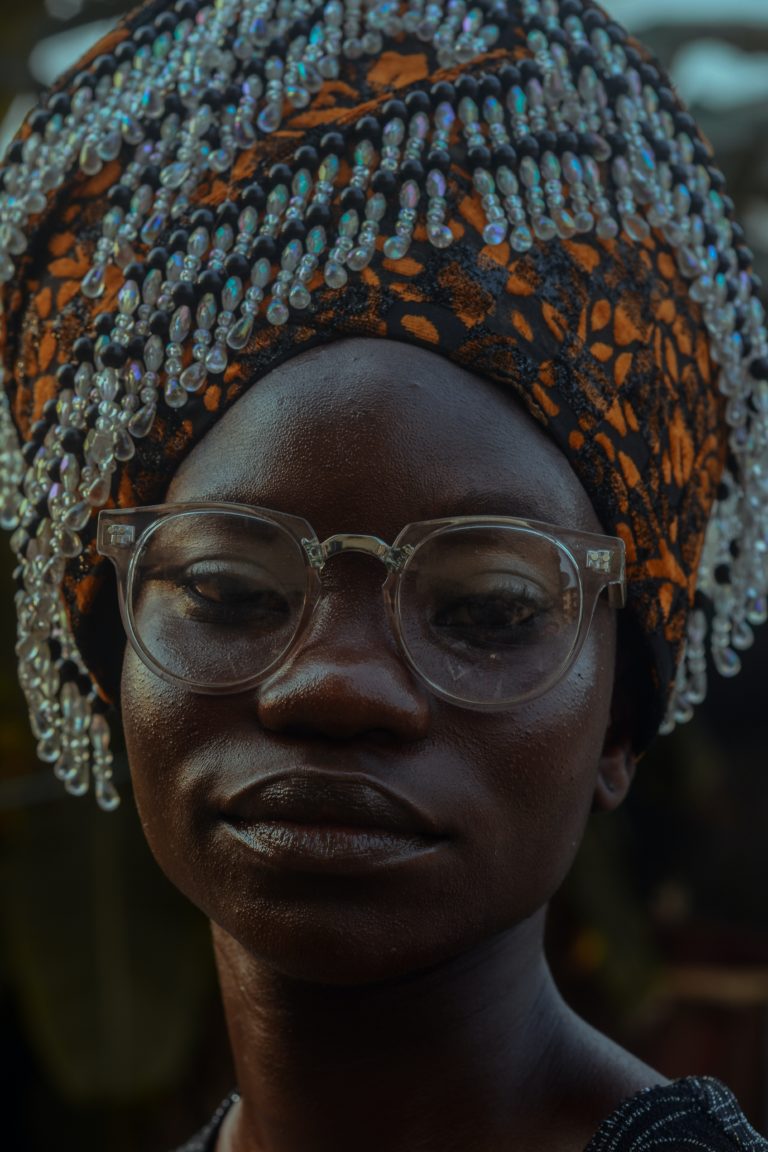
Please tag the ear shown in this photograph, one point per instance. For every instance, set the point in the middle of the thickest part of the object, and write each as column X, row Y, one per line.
column 615, row 771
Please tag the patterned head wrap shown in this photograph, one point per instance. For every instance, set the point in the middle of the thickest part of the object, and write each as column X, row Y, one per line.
column 511, row 183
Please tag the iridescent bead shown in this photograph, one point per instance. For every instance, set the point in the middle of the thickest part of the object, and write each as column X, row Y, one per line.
column 277, row 312
column 335, row 274
column 175, row 394
column 181, row 324
column 206, row 311
column 216, row 361
column 395, row 247
column 240, row 333
column 261, row 273
column 299, row 297
column 232, row 294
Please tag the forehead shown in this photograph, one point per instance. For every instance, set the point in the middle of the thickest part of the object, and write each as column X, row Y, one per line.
column 376, row 433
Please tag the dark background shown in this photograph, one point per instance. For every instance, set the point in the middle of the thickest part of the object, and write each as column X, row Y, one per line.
column 111, row 1035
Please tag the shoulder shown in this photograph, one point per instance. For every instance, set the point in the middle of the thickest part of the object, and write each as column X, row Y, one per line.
column 696, row 1112
column 205, row 1140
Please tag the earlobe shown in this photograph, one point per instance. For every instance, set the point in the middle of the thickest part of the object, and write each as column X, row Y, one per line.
column 615, row 773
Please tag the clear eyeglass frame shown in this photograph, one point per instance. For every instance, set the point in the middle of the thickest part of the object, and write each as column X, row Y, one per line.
column 598, row 562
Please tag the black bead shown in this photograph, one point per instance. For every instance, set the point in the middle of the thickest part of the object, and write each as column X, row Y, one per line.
column 745, row 257
column 548, row 141
column 759, row 368
column 174, row 105
column 701, row 153
column 710, row 234
column 570, row 8
column 228, row 213
column 178, row 240
column 418, row 101
column 617, row 34
column 65, row 376
column 202, row 218
column 91, row 414
column 212, row 136
column 49, row 410
column 124, row 52
column 729, row 205
column 135, row 348
column 187, row 9
column 466, row 86
column 104, row 65
column 237, row 265
column 649, row 75
column 353, row 198
column 439, row 159
column 72, row 439
column 183, row 293
column 233, row 94
column 41, row 510
column 151, row 175
column 537, row 24
column 294, row 230
column 38, row 121
column 254, row 196
column 722, row 491
column 135, row 271
column 584, row 57
column 716, row 179
column 592, row 20
column 734, row 549
column 663, row 150
column 68, row 672
column 54, row 472
column 211, row 281
column 318, row 215
column 679, row 174
column 60, row 104
column 529, row 70
column 368, row 128
column 114, row 356
column 38, row 431
column 567, row 142
column 510, row 77
column 479, row 156
column 394, row 109
column 616, row 85
column 158, row 258
column 634, row 58
column 333, row 143
column 120, row 196
column 143, row 37
column 83, row 349
column 684, row 122
column 722, row 573
column 159, row 323
column 384, row 181
column 16, row 152
column 617, row 143
column 265, row 246
column 413, row 170
column 697, row 203
column 528, row 146
column 558, row 36
column 505, row 156
column 667, row 99
column 165, row 22
column 442, row 93
column 280, row 174
column 213, row 98
column 105, row 322
column 737, row 231
column 100, row 707
column 307, row 157
column 54, row 647
column 490, row 85
column 29, row 451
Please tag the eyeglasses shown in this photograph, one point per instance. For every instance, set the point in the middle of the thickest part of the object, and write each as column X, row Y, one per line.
column 487, row 611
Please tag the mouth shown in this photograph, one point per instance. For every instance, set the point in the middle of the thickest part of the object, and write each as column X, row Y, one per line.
column 328, row 822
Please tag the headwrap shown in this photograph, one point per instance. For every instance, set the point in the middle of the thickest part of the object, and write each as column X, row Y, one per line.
column 511, row 183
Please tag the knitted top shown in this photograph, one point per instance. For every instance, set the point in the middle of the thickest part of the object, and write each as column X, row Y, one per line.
column 696, row 1113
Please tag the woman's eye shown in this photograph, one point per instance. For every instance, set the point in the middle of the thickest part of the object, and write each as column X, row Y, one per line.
column 487, row 611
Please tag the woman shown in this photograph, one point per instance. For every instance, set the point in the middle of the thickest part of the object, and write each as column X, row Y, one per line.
column 506, row 342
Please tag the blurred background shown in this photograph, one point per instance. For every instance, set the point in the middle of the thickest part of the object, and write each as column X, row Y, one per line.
column 111, row 1034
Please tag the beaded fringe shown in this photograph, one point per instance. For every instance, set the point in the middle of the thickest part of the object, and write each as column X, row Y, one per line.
column 581, row 137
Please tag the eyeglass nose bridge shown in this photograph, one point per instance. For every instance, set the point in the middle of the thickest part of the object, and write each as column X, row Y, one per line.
column 319, row 552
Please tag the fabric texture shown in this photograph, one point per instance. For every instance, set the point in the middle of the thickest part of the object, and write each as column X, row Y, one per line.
column 695, row 1113
column 599, row 339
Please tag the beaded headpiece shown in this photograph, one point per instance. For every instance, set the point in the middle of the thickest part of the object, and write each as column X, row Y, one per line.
column 220, row 185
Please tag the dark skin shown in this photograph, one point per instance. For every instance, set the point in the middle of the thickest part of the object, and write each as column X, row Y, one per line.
column 410, row 1007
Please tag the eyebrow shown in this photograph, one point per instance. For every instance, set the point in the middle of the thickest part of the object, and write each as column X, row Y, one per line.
column 482, row 501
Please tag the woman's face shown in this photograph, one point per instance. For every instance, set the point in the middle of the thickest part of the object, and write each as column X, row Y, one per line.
column 367, row 436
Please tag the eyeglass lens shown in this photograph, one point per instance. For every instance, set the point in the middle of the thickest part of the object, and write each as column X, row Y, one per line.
column 487, row 613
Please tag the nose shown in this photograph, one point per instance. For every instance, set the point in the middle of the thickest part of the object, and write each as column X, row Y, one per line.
column 347, row 678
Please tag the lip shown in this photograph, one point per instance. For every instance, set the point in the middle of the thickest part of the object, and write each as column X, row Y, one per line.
column 328, row 822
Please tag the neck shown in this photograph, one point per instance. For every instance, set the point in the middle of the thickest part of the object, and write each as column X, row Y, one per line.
column 461, row 1055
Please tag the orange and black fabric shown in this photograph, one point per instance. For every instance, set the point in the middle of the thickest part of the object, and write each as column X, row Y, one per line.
column 599, row 340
